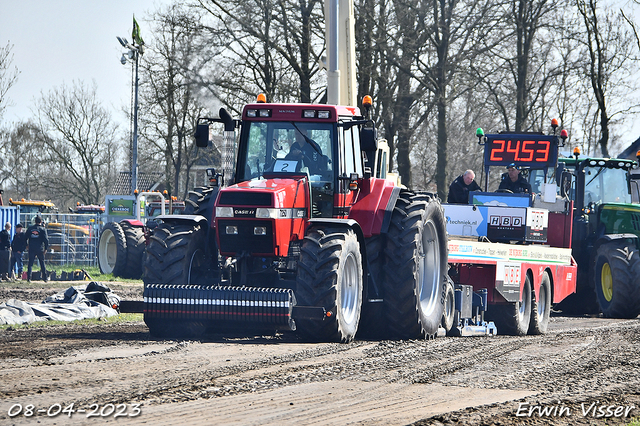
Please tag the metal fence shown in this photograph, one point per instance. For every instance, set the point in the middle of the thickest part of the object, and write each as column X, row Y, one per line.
column 73, row 238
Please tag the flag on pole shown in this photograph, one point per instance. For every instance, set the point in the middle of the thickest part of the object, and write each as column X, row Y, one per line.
column 135, row 34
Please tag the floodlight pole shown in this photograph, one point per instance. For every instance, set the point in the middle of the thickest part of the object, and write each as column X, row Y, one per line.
column 133, row 54
column 134, row 154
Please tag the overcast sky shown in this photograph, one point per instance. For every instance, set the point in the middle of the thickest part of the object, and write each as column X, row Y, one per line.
column 57, row 42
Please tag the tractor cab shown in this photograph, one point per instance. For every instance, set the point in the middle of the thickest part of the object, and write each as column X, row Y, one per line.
column 286, row 153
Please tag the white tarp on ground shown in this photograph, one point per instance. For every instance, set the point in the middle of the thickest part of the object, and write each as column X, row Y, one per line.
column 93, row 301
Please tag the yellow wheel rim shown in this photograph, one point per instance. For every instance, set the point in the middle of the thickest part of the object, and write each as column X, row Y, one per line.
column 606, row 281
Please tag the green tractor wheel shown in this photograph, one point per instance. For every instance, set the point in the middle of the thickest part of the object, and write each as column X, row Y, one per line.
column 617, row 279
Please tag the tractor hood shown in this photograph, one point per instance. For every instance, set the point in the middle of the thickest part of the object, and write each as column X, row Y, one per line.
column 262, row 216
column 261, row 197
column 618, row 218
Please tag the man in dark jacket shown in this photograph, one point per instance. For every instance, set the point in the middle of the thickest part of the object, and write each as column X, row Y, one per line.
column 18, row 246
column 513, row 181
column 38, row 243
column 5, row 252
column 460, row 188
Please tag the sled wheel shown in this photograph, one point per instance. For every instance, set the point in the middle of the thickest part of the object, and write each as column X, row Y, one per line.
column 541, row 307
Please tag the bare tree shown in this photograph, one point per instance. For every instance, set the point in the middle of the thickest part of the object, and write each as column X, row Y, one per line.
column 270, row 46
column 78, row 144
column 20, row 169
column 169, row 108
column 8, row 76
column 609, row 49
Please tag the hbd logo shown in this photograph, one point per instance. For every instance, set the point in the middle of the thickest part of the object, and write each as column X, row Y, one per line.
column 510, row 221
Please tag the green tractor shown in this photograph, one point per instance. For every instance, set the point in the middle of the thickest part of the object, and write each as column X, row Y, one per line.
column 606, row 227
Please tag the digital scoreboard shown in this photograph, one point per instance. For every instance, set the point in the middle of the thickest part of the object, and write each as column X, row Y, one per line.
column 534, row 151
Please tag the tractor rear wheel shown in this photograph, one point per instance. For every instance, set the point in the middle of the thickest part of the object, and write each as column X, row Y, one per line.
column 513, row 318
column 200, row 201
column 330, row 275
column 617, row 279
column 112, row 250
column 369, row 327
column 135, row 250
column 541, row 307
column 415, row 267
column 176, row 255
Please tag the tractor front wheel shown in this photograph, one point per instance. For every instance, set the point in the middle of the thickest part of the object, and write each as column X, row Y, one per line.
column 177, row 255
column 617, row 279
column 330, row 275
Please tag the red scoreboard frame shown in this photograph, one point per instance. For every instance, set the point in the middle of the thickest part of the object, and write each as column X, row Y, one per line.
column 534, row 151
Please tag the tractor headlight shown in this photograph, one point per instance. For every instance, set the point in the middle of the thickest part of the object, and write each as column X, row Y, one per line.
column 231, row 230
column 260, row 230
column 224, row 211
column 263, row 213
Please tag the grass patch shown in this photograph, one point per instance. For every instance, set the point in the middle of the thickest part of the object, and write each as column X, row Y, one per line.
column 635, row 422
column 116, row 319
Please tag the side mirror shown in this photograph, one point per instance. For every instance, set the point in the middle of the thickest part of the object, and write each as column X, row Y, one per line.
column 202, row 135
column 565, row 183
column 368, row 139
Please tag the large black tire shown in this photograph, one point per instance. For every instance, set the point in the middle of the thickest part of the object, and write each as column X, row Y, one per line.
column 617, row 279
column 448, row 314
column 330, row 275
column 200, row 201
column 112, row 250
column 513, row 318
column 176, row 254
column 369, row 327
column 415, row 267
column 135, row 250
column 541, row 307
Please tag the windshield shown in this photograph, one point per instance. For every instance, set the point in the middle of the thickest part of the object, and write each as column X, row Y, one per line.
column 288, row 147
column 604, row 185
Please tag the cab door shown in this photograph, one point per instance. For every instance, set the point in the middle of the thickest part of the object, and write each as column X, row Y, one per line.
column 350, row 168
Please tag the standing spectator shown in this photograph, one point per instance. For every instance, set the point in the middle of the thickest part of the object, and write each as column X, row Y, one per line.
column 18, row 246
column 5, row 251
column 461, row 186
column 38, row 243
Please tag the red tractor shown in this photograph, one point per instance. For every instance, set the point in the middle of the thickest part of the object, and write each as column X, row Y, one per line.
column 310, row 235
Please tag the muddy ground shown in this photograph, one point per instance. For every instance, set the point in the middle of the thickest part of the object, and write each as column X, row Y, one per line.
column 583, row 371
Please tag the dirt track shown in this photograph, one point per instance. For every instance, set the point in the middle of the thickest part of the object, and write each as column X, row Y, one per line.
column 278, row 380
